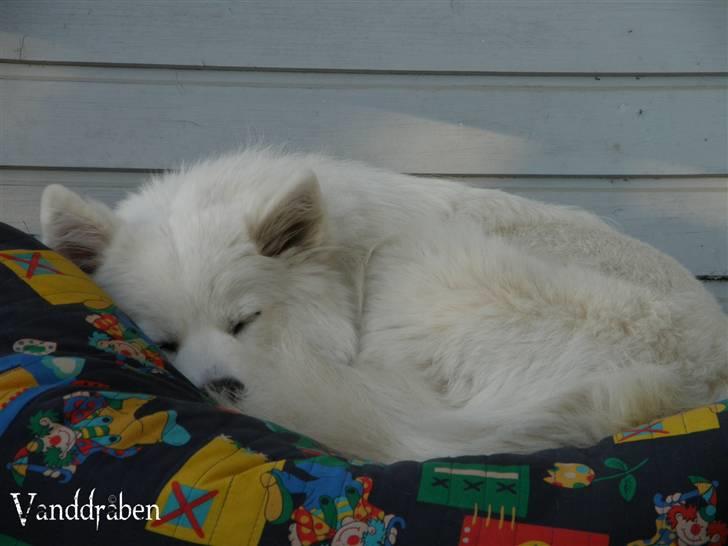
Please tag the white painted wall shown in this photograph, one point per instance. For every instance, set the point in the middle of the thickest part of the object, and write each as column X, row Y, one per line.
column 618, row 106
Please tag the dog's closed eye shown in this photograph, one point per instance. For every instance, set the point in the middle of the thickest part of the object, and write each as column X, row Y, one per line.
column 240, row 325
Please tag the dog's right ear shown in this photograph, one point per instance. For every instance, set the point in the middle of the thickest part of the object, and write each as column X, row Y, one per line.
column 75, row 227
column 293, row 221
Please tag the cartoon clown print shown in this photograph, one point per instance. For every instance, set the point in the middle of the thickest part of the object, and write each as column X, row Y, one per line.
column 688, row 519
column 118, row 335
column 93, row 422
column 335, row 510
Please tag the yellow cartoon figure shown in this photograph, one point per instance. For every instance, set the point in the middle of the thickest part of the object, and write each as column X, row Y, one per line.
column 93, row 422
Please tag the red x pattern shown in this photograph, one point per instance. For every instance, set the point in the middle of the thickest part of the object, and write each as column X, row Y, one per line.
column 33, row 264
column 649, row 428
column 185, row 508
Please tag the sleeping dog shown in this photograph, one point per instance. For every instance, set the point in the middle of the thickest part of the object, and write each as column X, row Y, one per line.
column 395, row 317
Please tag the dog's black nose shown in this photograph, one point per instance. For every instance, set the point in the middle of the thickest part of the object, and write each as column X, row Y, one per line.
column 227, row 386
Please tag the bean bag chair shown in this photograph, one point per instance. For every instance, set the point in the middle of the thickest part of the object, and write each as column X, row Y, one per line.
column 104, row 442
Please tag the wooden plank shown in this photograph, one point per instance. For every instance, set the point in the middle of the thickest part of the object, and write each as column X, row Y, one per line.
column 720, row 291
column 415, row 35
column 154, row 118
column 686, row 218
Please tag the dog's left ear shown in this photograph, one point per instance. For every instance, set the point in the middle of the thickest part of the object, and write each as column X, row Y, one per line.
column 78, row 228
column 295, row 220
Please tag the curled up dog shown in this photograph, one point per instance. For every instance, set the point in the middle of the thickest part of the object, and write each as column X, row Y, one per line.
column 395, row 317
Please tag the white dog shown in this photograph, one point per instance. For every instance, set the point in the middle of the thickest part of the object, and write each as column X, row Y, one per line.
column 398, row 317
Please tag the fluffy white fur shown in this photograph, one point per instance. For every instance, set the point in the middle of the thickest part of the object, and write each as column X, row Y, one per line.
column 397, row 317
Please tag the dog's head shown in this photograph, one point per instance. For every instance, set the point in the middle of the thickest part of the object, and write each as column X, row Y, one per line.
column 225, row 265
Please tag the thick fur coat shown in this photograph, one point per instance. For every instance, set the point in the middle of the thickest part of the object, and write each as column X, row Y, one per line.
column 396, row 317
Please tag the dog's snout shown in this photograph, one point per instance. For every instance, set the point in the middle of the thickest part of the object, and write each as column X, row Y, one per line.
column 227, row 386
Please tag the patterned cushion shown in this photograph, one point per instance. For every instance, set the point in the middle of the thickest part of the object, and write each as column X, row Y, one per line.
column 93, row 420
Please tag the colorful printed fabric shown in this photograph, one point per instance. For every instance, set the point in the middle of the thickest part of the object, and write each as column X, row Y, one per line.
column 103, row 442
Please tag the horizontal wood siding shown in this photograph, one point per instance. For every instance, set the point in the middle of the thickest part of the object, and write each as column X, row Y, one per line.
column 640, row 36
column 720, row 291
column 155, row 118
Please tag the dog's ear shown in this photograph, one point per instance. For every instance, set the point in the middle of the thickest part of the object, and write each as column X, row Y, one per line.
column 75, row 227
column 293, row 221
